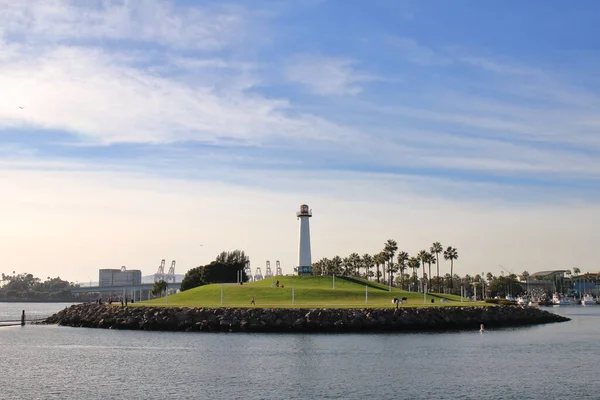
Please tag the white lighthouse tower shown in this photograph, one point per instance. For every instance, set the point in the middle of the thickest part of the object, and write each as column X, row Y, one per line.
column 304, row 261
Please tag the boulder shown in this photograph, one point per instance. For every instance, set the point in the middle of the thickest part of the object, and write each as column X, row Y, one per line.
column 299, row 320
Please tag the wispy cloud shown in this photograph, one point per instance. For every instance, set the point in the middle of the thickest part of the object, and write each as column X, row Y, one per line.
column 95, row 95
column 153, row 21
column 509, row 120
column 417, row 53
column 327, row 76
column 144, row 113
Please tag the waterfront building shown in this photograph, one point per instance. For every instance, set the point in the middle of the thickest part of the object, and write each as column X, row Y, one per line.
column 119, row 277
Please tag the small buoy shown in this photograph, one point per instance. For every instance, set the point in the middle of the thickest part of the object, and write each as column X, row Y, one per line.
column 481, row 328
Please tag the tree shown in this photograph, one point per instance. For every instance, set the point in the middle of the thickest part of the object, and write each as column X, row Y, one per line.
column 414, row 263
column 378, row 259
column 326, row 266
column 422, row 256
column 336, row 265
column 354, row 264
column 159, row 288
column 232, row 257
column 317, row 268
column 193, row 278
column 225, row 269
column 367, row 263
column 451, row 254
column 403, row 258
column 436, row 248
column 576, row 271
column 390, row 249
column 347, row 264
column 217, row 272
column 430, row 259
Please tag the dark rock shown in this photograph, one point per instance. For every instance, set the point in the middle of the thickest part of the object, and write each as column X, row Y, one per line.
column 299, row 320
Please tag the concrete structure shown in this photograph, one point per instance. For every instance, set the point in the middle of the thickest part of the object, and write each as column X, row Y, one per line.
column 136, row 292
column 119, row 277
column 304, row 260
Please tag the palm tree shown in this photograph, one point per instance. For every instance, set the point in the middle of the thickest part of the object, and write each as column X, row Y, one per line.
column 414, row 263
column 403, row 258
column 326, row 265
column 317, row 267
column 422, row 256
column 378, row 259
column 430, row 260
column 367, row 263
column 436, row 248
column 347, row 266
column 451, row 254
column 354, row 263
column 390, row 250
column 336, row 265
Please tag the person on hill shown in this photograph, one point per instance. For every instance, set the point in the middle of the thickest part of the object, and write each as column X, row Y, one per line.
column 252, row 302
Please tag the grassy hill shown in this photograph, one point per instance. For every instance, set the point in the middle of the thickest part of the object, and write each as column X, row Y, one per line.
column 309, row 291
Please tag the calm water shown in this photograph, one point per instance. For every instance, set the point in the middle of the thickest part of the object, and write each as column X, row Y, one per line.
column 49, row 362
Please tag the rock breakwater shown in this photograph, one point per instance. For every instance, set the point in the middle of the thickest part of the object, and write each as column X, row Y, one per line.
column 299, row 320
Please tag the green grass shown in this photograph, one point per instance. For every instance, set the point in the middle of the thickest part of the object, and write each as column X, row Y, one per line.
column 309, row 292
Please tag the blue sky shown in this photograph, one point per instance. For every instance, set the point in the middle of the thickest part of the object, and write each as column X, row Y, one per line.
column 491, row 101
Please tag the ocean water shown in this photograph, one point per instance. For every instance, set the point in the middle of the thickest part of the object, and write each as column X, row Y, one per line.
column 554, row 361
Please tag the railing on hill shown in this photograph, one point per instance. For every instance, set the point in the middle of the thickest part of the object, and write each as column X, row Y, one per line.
column 361, row 281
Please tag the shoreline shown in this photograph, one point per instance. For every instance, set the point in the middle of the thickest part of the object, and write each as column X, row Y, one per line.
column 288, row 320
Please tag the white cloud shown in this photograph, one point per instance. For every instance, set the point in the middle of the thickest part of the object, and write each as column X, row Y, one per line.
column 52, row 63
column 327, row 75
column 156, row 21
column 91, row 93
column 70, row 80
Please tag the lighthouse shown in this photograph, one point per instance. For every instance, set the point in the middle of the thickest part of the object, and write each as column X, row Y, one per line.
column 304, row 261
